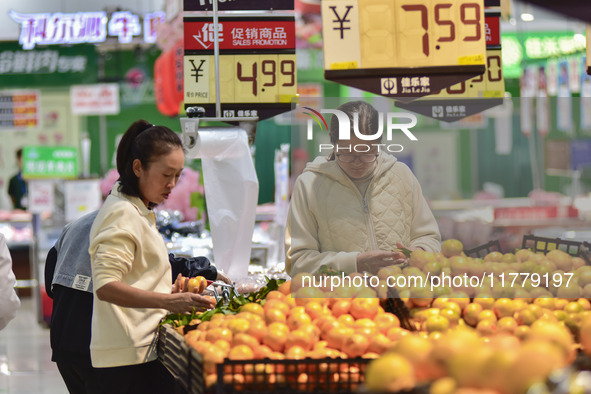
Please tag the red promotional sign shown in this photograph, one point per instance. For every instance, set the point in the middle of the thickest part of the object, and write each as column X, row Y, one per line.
column 241, row 34
column 492, row 29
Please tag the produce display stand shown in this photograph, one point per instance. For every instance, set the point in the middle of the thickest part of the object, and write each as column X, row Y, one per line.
column 542, row 244
column 326, row 375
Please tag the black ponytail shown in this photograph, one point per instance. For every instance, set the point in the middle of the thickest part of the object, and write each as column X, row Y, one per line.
column 145, row 142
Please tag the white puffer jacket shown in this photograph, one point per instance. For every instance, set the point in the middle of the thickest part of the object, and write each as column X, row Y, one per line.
column 330, row 223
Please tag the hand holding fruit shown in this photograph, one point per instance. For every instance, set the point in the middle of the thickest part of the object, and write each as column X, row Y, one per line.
column 192, row 285
column 374, row 260
column 186, row 302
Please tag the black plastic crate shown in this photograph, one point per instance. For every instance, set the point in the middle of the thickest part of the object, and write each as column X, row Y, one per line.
column 482, row 250
column 173, row 352
column 544, row 245
column 196, row 378
column 308, row 375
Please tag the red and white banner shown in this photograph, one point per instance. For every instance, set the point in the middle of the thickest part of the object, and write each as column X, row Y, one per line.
column 240, row 35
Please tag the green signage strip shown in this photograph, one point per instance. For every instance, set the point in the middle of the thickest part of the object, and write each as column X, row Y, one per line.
column 55, row 66
column 50, row 162
column 519, row 48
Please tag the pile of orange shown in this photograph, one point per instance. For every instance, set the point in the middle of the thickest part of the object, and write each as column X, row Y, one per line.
column 305, row 324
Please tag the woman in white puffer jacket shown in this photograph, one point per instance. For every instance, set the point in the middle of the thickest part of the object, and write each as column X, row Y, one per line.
column 352, row 210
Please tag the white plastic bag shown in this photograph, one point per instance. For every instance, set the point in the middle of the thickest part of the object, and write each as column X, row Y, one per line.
column 9, row 302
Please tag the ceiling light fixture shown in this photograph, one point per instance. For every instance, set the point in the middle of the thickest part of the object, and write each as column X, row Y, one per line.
column 527, row 17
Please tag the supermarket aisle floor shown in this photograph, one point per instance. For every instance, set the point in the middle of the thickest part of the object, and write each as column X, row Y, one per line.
column 25, row 356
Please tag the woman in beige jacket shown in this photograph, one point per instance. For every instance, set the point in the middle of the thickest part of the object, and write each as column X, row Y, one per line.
column 352, row 210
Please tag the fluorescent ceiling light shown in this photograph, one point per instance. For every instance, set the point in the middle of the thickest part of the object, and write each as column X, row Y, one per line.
column 527, row 17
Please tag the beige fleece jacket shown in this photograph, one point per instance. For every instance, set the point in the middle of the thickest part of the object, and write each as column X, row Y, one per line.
column 125, row 246
column 330, row 223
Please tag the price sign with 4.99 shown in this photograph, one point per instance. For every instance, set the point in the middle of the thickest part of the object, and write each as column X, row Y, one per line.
column 362, row 34
column 257, row 65
column 243, row 78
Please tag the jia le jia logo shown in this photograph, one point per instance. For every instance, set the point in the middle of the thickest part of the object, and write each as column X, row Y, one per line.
column 389, row 122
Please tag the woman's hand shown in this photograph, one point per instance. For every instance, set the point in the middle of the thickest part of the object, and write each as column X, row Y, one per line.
column 222, row 277
column 374, row 260
column 185, row 302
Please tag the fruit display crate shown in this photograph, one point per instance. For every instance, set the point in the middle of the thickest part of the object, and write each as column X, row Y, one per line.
column 545, row 245
column 326, row 375
column 173, row 352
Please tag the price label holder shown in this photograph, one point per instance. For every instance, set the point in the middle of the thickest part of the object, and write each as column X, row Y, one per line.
column 256, row 60
column 474, row 95
column 403, row 49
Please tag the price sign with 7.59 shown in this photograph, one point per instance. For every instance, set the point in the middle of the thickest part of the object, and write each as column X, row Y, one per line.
column 258, row 78
column 364, row 34
column 489, row 84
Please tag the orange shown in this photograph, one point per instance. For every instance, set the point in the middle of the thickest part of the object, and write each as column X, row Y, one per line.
column 223, row 345
column 211, row 357
column 337, row 336
column 328, row 327
column 311, row 330
column 238, row 325
column 275, row 295
column 323, row 320
column 395, row 333
column 341, row 307
column 278, row 326
column 347, row 320
column 307, row 294
column 248, row 316
column 364, row 307
column 507, row 324
column 285, row 287
column 257, row 329
column 364, row 323
column 276, row 304
column 262, row 351
column 385, row 321
column 252, row 307
column 245, row 339
column 241, row 352
column 355, row 345
column 379, row 343
column 295, row 321
column 486, row 327
column 295, row 353
column 275, row 339
column 218, row 333
column 274, row 315
column 316, row 310
column 197, row 284
column 300, row 339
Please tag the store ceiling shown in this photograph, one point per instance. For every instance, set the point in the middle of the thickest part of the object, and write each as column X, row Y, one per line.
column 545, row 19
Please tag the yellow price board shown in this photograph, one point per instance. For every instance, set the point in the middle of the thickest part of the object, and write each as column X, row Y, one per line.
column 403, row 33
column 489, row 84
column 249, row 82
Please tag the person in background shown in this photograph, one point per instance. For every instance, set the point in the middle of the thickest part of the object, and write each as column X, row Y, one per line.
column 17, row 187
column 9, row 301
column 68, row 281
column 351, row 211
column 130, row 269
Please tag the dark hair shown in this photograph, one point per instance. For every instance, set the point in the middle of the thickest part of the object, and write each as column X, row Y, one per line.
column 368, row 119
column 145, row 142
column 19, row 153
